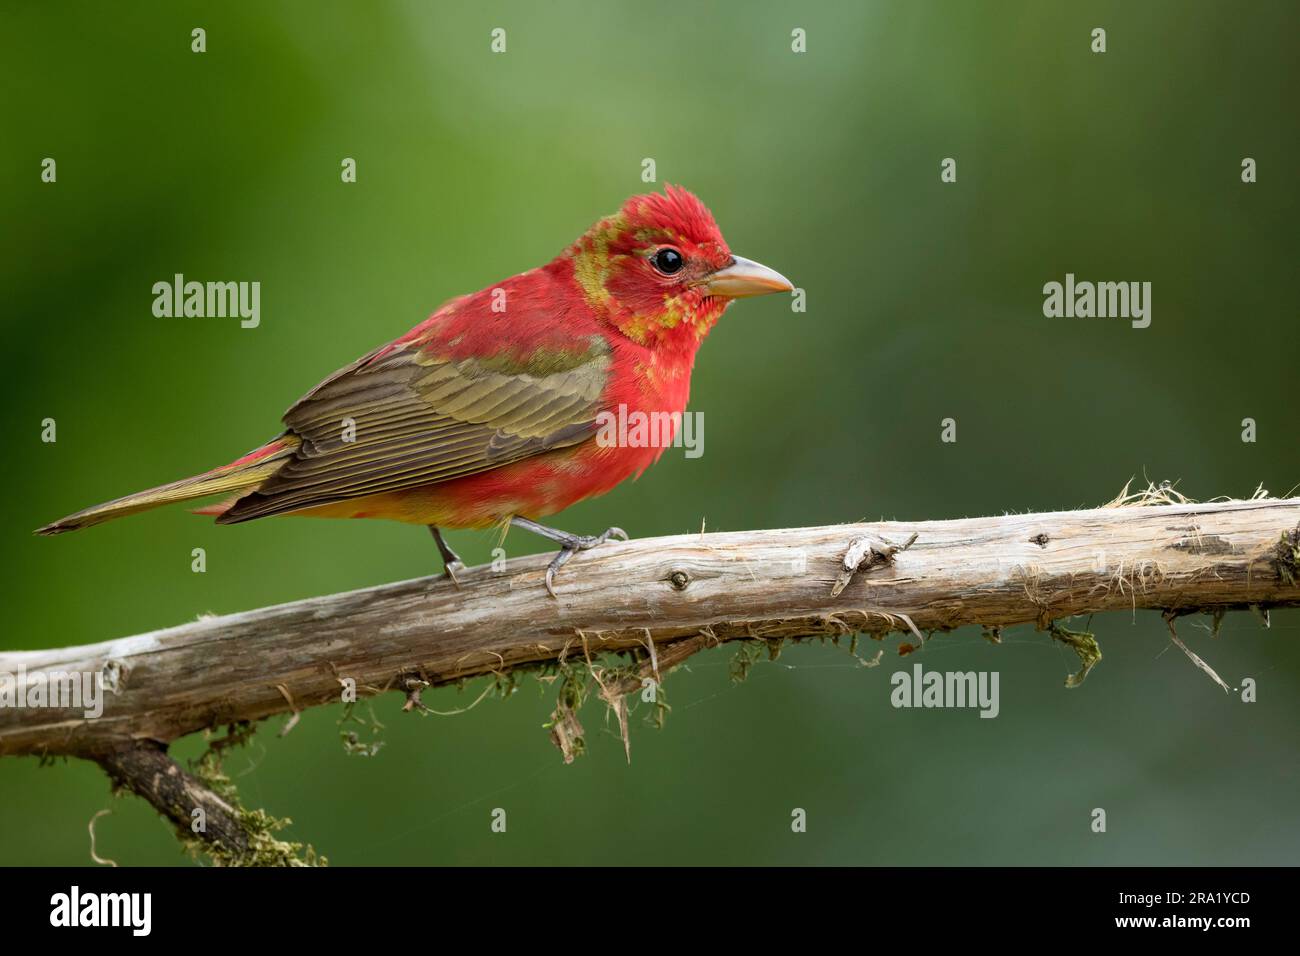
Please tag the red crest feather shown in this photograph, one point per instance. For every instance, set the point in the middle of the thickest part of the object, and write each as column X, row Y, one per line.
column 674, row 210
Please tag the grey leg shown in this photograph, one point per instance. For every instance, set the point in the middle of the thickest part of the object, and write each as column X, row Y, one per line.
column 451, row 562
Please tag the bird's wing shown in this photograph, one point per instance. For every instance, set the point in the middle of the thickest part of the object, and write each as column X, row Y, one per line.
column 411, row 415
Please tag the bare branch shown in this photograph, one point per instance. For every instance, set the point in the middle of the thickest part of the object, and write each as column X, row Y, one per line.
column 182, row 798
column 1176, row 557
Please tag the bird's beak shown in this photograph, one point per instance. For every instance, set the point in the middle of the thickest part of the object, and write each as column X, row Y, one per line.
column 744, row 277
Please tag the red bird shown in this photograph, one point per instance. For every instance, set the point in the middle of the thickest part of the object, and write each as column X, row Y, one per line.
column 488, row 411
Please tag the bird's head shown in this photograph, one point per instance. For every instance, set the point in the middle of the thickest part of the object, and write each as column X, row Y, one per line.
column 659, row 269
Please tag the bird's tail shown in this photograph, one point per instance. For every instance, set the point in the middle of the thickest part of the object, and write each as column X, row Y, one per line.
column 241, row 475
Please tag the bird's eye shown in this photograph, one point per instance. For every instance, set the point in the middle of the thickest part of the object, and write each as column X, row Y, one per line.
column 668, row 261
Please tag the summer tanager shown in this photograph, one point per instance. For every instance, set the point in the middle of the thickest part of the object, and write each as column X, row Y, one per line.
column 488, row 411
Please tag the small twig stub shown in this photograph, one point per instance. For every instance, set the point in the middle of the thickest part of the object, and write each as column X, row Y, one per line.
column 865, row 553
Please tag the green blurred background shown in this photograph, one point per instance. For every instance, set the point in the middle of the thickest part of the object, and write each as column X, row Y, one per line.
column 924, row 302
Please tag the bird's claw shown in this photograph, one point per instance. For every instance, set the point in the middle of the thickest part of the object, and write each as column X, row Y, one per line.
column 572, row 546
column 591, row 540
column 556, row 563
column 449, row 571
column 451, row 562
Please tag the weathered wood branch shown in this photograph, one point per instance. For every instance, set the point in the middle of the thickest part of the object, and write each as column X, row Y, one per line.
column 147, row 770
column 1038, row 568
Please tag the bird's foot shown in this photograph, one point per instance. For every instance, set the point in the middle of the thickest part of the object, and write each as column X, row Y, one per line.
column 449, row 570
column 451, row 562
column 570, row 544
column 570, row 548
